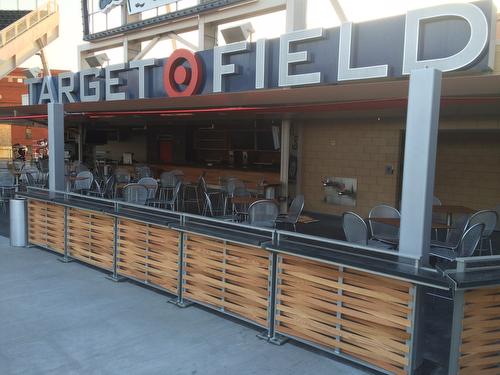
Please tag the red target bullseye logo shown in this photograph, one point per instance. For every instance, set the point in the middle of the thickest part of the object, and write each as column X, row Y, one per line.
column 176, row 74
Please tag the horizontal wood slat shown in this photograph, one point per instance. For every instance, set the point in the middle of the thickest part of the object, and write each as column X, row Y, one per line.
column 46, row 225
column 230, row 277
column 149, row 254
column 90, row 238
column 480, row 346
column 361, row 315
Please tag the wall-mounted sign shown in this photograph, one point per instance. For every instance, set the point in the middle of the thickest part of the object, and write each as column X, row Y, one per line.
column 451, row 37
column 138, row 6
column 107, row 5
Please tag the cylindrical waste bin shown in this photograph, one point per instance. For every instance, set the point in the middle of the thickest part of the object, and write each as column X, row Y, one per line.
column 18, row 222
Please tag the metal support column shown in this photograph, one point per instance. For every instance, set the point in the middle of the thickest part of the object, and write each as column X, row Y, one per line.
column 271, row 335
column 114, row 276
column 179, row 300
column 296, row 11
column 55, row 113
column 420, row 163
column 285, row 162
column 65, row 258
column 456, row 332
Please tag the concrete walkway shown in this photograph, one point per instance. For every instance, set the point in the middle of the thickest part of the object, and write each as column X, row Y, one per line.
column 66, row 319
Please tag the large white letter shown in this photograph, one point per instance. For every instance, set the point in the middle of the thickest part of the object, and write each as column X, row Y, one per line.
column 475, row 46
column 112, row 82
column 345, row 72
column 87, row 85
column 68, row 85
column 32, row 91
column 288, row 58
column 48, row 92
column 260, row 64
column 221, row 69
column 143, row 80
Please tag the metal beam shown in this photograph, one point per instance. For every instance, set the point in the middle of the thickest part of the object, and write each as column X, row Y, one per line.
column 339, row 11
column 296, row 11
column 148, row 48
column 420, row 163
column 182, row 40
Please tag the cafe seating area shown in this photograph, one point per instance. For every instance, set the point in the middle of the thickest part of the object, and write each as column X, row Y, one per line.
column 457, row 231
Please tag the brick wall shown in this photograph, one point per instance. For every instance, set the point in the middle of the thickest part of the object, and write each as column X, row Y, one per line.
column 351, row 149
column 467, row 166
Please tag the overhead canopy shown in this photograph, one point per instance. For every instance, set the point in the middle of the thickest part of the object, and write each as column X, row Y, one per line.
column 461, row 95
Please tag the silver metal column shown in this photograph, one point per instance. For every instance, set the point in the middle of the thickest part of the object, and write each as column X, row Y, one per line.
column 456, row 332
column 285, row 162
column 55, row 112
column 420, row 163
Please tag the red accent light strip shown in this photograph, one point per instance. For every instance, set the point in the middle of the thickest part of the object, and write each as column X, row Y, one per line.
column 27, row 117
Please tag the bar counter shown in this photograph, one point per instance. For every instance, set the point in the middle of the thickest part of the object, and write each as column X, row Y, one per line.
column 251, row 175
column 355, row 302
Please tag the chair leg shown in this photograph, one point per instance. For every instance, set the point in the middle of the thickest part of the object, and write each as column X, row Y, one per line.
column 491, row 246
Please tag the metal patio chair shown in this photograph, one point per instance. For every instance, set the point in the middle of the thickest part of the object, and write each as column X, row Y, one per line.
column 83, row 182
column 122, row 178
column 143, row 171
column 465, row 247
column 384, row 232
column 174, row 201
column 263, row 214
column 168, row 181
column 151, row 184
column 293, row 213
column 454, row 234
column 7, row 188
column 135, row 193
column 490, row 219
column 356, row 231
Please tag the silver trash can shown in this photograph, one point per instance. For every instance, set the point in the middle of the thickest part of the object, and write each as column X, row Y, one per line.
column 18, row 222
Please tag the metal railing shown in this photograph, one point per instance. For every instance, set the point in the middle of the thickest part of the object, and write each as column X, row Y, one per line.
column 27, row 22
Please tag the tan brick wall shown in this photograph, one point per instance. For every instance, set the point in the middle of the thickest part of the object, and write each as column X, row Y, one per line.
column 351, row 149
column 5, row 135
column 467, row 165
column 468, row 169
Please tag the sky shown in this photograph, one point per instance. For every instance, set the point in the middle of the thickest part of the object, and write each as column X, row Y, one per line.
column 62, row 53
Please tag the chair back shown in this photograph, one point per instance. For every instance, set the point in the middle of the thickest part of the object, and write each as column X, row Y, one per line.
column 296, row 209
column 469, row 240
column 381, row 229
column 143, row 171
column 84, row 180
column 209, row 207
column 78, row 167
column 135, row 193
column 497, row 210
column 355, row 228
column 122, row 176
column 168, row 180
column 151, row 184
column 487, row 217
column 459, row 225
column 175, row 195
column 7, row 179
column 263, row 213
column 107, row 190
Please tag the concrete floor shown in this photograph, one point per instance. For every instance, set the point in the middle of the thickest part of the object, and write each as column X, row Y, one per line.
column 58, row 318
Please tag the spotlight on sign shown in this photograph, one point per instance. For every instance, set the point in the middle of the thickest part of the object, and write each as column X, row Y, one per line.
column 32, row 72
column 96, row 61
column 238, row 33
